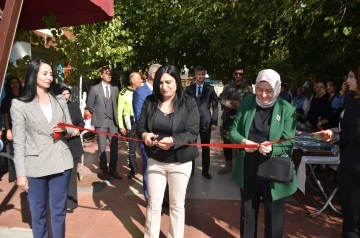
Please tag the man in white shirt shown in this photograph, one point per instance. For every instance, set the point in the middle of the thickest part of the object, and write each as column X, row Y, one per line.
column 102, row 103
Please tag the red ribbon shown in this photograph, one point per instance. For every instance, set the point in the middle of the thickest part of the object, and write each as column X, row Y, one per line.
column 231, row 146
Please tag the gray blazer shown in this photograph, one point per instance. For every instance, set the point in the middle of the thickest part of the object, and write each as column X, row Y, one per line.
column 96, row 104
column 36, row 153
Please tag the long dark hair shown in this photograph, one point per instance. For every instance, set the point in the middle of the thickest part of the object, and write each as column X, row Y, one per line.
column 8, row 91
column 29, row 92
column 356, row 71
column 169, row 69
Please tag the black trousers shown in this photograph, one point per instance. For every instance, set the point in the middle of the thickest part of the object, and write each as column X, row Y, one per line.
column 227, row 151
column 11, row 165
column 205, row 137
column 132, row 149
column 349, row 191
column 226, row 128
column 72, row 197
column 274, row 211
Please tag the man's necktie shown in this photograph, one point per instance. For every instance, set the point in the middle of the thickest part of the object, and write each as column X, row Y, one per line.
column 199, row 92
column 107, row 95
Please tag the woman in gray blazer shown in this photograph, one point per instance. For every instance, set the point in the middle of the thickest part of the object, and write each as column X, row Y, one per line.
column 42, row 163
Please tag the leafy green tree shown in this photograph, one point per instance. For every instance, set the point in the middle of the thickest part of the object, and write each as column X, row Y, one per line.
column 302, row 39
column 92, row 46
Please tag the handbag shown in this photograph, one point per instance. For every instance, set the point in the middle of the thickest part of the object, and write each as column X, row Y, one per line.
column 276, row 169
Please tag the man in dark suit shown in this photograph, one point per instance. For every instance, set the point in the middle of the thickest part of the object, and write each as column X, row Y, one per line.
column 207, row 102
column 102, row 103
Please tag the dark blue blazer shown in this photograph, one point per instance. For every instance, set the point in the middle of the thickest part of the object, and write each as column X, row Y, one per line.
column 139, row 97
column 208, row 100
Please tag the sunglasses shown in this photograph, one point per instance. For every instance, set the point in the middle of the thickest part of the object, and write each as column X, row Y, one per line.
column 238, row 74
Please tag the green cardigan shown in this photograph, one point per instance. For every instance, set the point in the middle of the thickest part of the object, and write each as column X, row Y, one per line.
column 282, row 126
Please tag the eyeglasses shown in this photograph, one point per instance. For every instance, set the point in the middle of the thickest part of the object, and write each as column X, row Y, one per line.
column 238, row 73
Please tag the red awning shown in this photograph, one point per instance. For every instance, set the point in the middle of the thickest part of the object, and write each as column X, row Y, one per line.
column 28, row 15
column 67, row 12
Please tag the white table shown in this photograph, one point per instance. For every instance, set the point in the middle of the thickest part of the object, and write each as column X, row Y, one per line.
column 301, row 177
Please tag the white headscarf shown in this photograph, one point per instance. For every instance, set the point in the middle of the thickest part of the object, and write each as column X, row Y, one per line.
column 273, row 78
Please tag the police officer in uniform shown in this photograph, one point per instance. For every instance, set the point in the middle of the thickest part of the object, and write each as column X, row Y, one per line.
column 126, row 119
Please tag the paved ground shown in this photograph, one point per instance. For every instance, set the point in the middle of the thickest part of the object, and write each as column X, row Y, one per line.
column 117, row 208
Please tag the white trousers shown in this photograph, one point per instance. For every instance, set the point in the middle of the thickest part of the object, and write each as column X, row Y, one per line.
column 177, row 176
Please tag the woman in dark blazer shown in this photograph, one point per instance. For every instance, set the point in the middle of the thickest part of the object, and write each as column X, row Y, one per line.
column 168, row 120
column 349, row 167
column 42, row 162
column 75, row 145
column 318, row 107
column 260, row 118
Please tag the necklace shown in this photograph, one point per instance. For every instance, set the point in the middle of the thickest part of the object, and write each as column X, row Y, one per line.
column 165, row 112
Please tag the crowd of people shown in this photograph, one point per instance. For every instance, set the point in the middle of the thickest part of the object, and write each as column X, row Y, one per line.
column 323, row 105
column 169, row 119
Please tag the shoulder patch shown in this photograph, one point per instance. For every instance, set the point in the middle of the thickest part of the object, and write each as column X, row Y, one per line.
column 123, row 91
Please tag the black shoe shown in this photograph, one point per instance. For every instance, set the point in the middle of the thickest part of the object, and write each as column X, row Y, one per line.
column 115, row 175
column 207, row 175
column 131, row 175
column 70, row 210
column 104, row 175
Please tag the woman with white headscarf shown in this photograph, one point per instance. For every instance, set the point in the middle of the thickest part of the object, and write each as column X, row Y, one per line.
column 261, row 118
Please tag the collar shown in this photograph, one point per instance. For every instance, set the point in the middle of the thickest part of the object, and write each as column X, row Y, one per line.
column 199, row 85
column 149, row 85
column 130, row 89
column 104, row 84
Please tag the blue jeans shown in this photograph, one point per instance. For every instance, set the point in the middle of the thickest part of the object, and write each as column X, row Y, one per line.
column 48, row 191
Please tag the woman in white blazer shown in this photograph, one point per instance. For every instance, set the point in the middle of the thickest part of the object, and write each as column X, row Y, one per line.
column 42, row 163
